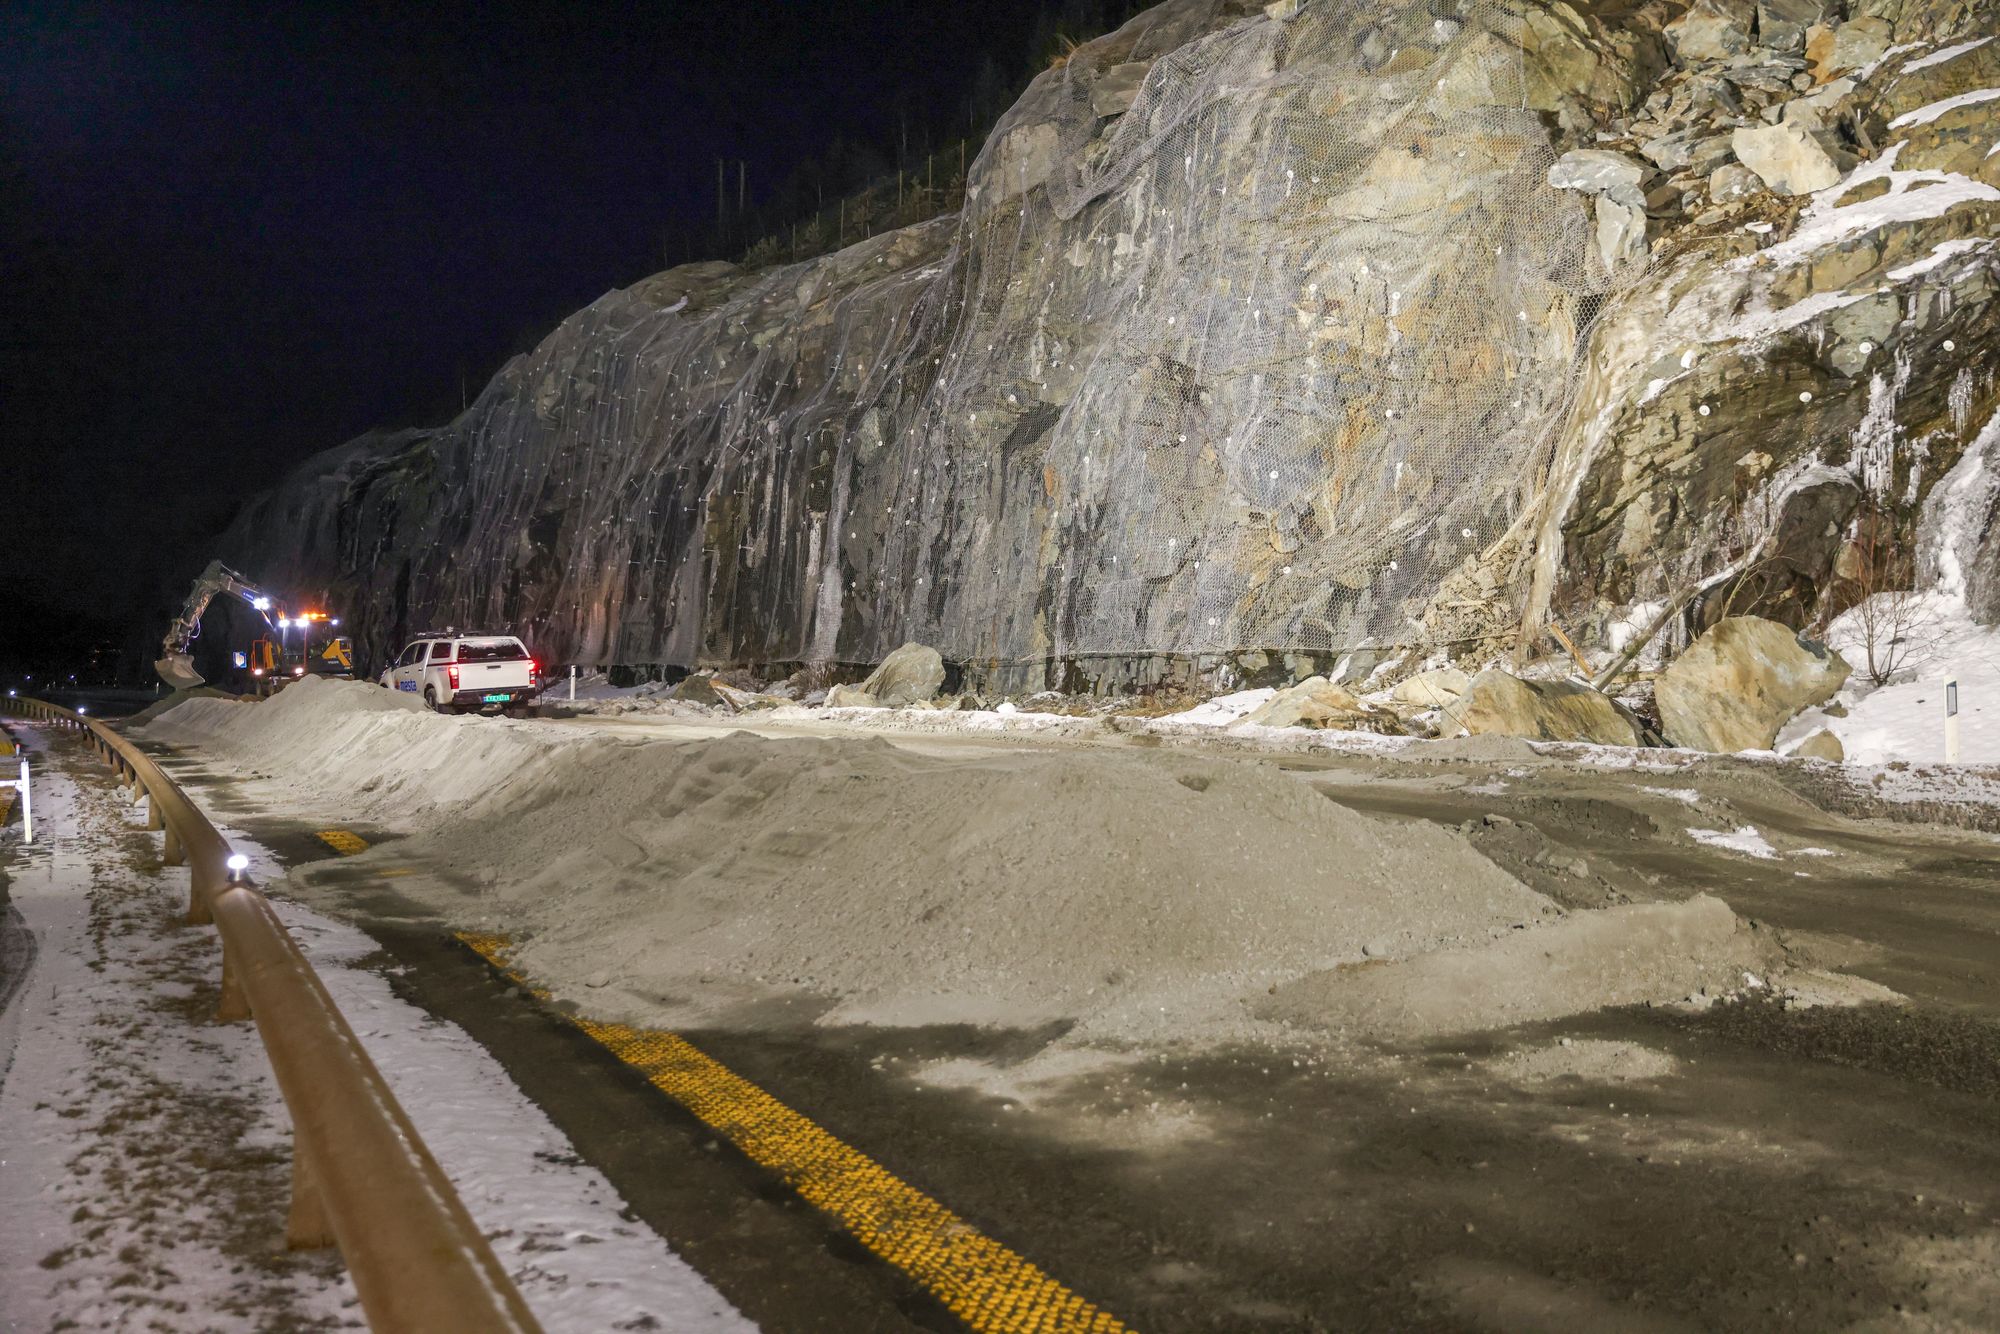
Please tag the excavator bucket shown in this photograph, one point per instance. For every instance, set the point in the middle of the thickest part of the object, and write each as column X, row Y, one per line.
column 177, row 670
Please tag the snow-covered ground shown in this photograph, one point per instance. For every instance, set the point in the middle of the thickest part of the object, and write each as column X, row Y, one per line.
column 144, row 1151
column 1904, row 719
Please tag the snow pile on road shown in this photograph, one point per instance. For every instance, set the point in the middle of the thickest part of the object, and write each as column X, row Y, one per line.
column 661, row 880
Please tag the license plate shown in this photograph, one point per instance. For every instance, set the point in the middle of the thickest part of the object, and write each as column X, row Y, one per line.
column 496, row 699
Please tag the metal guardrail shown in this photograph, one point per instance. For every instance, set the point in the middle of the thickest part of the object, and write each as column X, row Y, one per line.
column 21, row 787
column 361, row 1177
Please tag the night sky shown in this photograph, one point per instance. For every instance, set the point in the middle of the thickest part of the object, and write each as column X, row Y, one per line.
column 232, row 235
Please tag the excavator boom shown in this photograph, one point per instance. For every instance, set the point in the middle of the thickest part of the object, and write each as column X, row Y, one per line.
column 175, row 665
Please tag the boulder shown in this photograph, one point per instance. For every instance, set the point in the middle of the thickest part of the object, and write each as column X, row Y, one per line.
column 1819, row 109
column 1835, row 50
column 698, row 690
column 1742, row 681
column 1117, row 88
column 1433, row 688
column 1313, row 702
column 1599, row 171
column 1820, row 745
column 1711, row 30
column 1699, row 149
column 1497, row 704
column 1785, row 157
column 1621, row 233
column 1782, row 24
column 913, row 673
column 1731, row 181
column 852, row 697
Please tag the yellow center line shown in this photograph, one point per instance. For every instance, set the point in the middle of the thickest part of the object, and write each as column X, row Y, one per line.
column 343, row 841
column 983, row 1283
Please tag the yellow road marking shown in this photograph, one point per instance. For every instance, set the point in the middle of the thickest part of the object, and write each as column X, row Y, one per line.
column 343, row 841
column 980, row 1281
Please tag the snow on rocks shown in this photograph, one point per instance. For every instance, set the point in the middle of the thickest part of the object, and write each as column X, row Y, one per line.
column 1911, row 196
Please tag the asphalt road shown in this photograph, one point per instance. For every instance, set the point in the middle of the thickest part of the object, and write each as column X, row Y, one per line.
column 1767, row 1168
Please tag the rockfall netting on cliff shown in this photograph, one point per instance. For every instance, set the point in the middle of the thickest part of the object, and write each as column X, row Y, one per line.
column 1268, row 336
column 1248, row 363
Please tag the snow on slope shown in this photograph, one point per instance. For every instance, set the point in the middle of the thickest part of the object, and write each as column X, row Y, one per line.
column 1904, row 720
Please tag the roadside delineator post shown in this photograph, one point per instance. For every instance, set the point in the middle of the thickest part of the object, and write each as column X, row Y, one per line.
column 1951, row 720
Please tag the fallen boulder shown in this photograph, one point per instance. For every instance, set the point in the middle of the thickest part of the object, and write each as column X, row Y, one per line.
column 1742, row 681
column 1501, row 705
column 910, row 675
column 1821, row 745
column 1433, row 688
column 852, row 697
column 699, row 690
column 1318, row 702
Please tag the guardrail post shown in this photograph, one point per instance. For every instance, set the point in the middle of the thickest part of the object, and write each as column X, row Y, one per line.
column 234, row 1006
column 199, row 888
column 306, row 1226
column 153, row 820
column 174, row 854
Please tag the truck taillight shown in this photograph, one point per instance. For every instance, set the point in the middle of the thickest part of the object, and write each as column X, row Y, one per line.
column 451, row 674
column 534, row 672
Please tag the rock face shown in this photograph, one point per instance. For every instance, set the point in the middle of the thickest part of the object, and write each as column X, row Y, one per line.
column 1260, row 336
column 1743, row 681
column 1502, row 705
column 910, row 675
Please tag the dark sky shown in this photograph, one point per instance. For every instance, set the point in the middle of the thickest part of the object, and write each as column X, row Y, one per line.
column 234, row 234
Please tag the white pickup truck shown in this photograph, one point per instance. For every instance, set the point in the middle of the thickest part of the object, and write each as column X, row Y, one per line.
column 468, row 673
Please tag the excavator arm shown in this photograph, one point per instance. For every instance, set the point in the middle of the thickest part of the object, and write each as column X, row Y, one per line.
column 175, row 666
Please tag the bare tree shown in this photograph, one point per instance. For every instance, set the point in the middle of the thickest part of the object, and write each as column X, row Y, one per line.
column 1897, row 624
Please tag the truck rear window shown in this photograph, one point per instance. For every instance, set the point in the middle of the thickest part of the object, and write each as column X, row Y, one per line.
column 492, row 650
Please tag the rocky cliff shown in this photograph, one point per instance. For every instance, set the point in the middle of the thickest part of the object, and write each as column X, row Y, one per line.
column 1272, row 339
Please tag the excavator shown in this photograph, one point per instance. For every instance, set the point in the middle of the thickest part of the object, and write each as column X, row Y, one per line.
column 272, row 662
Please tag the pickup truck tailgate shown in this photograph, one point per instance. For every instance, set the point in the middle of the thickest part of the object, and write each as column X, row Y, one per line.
column 507, row 674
